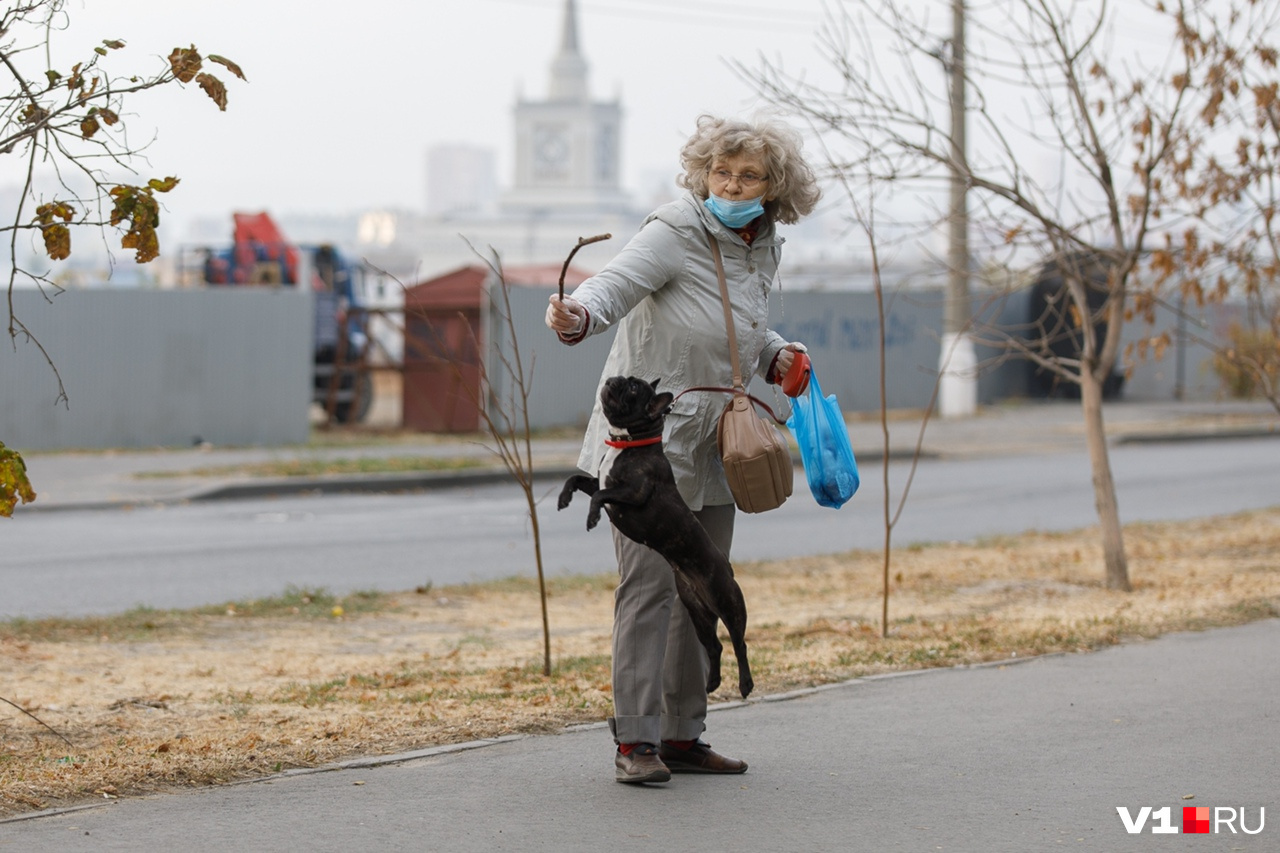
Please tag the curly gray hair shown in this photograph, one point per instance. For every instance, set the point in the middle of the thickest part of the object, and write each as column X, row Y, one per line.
column 793, row 189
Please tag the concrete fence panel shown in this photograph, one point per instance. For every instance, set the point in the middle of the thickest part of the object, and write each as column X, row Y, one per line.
column 146, row 368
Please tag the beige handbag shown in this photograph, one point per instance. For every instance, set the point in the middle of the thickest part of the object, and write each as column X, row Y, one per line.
column 757, row 461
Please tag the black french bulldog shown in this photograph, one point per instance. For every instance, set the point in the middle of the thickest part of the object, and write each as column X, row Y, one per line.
column 638, row 490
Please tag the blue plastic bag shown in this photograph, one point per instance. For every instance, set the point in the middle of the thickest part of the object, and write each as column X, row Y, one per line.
column 819, row 429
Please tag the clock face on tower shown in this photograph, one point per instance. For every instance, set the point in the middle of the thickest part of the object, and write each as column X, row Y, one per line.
column 550, row 152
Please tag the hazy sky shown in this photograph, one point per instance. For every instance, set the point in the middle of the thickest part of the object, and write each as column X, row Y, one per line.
column 344, row 99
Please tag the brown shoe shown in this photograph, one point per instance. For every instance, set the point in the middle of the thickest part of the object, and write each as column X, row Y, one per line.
column 699, row 758
column 642, row 764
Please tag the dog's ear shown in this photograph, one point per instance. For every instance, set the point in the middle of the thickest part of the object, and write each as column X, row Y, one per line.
column 654, row 384
column 661, row 403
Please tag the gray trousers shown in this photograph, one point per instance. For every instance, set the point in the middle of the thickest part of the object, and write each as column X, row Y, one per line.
column 659, row 667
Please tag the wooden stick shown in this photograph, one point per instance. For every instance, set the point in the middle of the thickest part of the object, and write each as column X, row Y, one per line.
column 582, row 241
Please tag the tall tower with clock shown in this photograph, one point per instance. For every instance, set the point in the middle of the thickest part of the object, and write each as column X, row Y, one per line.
column 567, row 157
column 566, row 185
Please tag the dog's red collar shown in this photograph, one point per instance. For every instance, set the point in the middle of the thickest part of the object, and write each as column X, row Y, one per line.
column 639, row 442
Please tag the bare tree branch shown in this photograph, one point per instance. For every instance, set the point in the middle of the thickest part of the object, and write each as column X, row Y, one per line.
column 1097, row 156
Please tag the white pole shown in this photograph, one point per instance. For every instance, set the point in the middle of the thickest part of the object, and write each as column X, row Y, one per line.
column 957, row 362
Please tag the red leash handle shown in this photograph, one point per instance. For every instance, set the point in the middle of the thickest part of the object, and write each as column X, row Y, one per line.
column 761, row 403
column 797, row 378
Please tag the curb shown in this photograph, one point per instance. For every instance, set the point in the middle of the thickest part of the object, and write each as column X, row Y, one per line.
column 429, row 480
column 282, row 487
column 370, row 483
column 1217, row 434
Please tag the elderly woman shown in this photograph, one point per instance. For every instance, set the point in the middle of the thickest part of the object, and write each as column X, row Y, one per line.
column 661, row 290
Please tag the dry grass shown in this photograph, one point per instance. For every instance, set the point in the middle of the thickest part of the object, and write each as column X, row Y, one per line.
column 154, row 700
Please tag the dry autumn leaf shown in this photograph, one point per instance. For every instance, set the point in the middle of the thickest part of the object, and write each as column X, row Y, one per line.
column 14, row 485
column 214, row 88
column 228, row 64
column 57, row 241
column 185, row 63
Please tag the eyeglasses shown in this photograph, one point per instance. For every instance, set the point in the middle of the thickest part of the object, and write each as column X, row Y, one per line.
column 748, row 181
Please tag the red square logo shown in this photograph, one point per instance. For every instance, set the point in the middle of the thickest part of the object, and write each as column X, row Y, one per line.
column 1195, row 819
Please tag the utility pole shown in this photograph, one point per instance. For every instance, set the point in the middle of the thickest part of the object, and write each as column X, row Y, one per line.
column 957, row 363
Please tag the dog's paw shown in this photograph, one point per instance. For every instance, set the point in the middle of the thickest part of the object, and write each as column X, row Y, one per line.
column 713, row 681
column 593, row 518
column 745, row 686
column 565, row 498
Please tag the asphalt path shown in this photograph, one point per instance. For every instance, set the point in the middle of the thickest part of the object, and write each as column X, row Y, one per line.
column 104, row 561
column 1034, row 757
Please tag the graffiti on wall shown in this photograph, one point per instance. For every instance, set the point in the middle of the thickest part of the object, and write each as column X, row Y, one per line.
column 851, row 334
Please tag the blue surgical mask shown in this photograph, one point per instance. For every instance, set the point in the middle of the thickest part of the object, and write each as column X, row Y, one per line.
column 734, row 214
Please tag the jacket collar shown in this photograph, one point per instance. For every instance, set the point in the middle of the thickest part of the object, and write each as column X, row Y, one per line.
column 696, row 213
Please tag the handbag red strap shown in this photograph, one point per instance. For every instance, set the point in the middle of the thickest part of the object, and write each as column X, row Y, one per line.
column 737, row 392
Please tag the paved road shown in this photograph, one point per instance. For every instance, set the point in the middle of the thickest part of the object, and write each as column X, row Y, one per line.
column 1021, row 758
column 77, row 562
